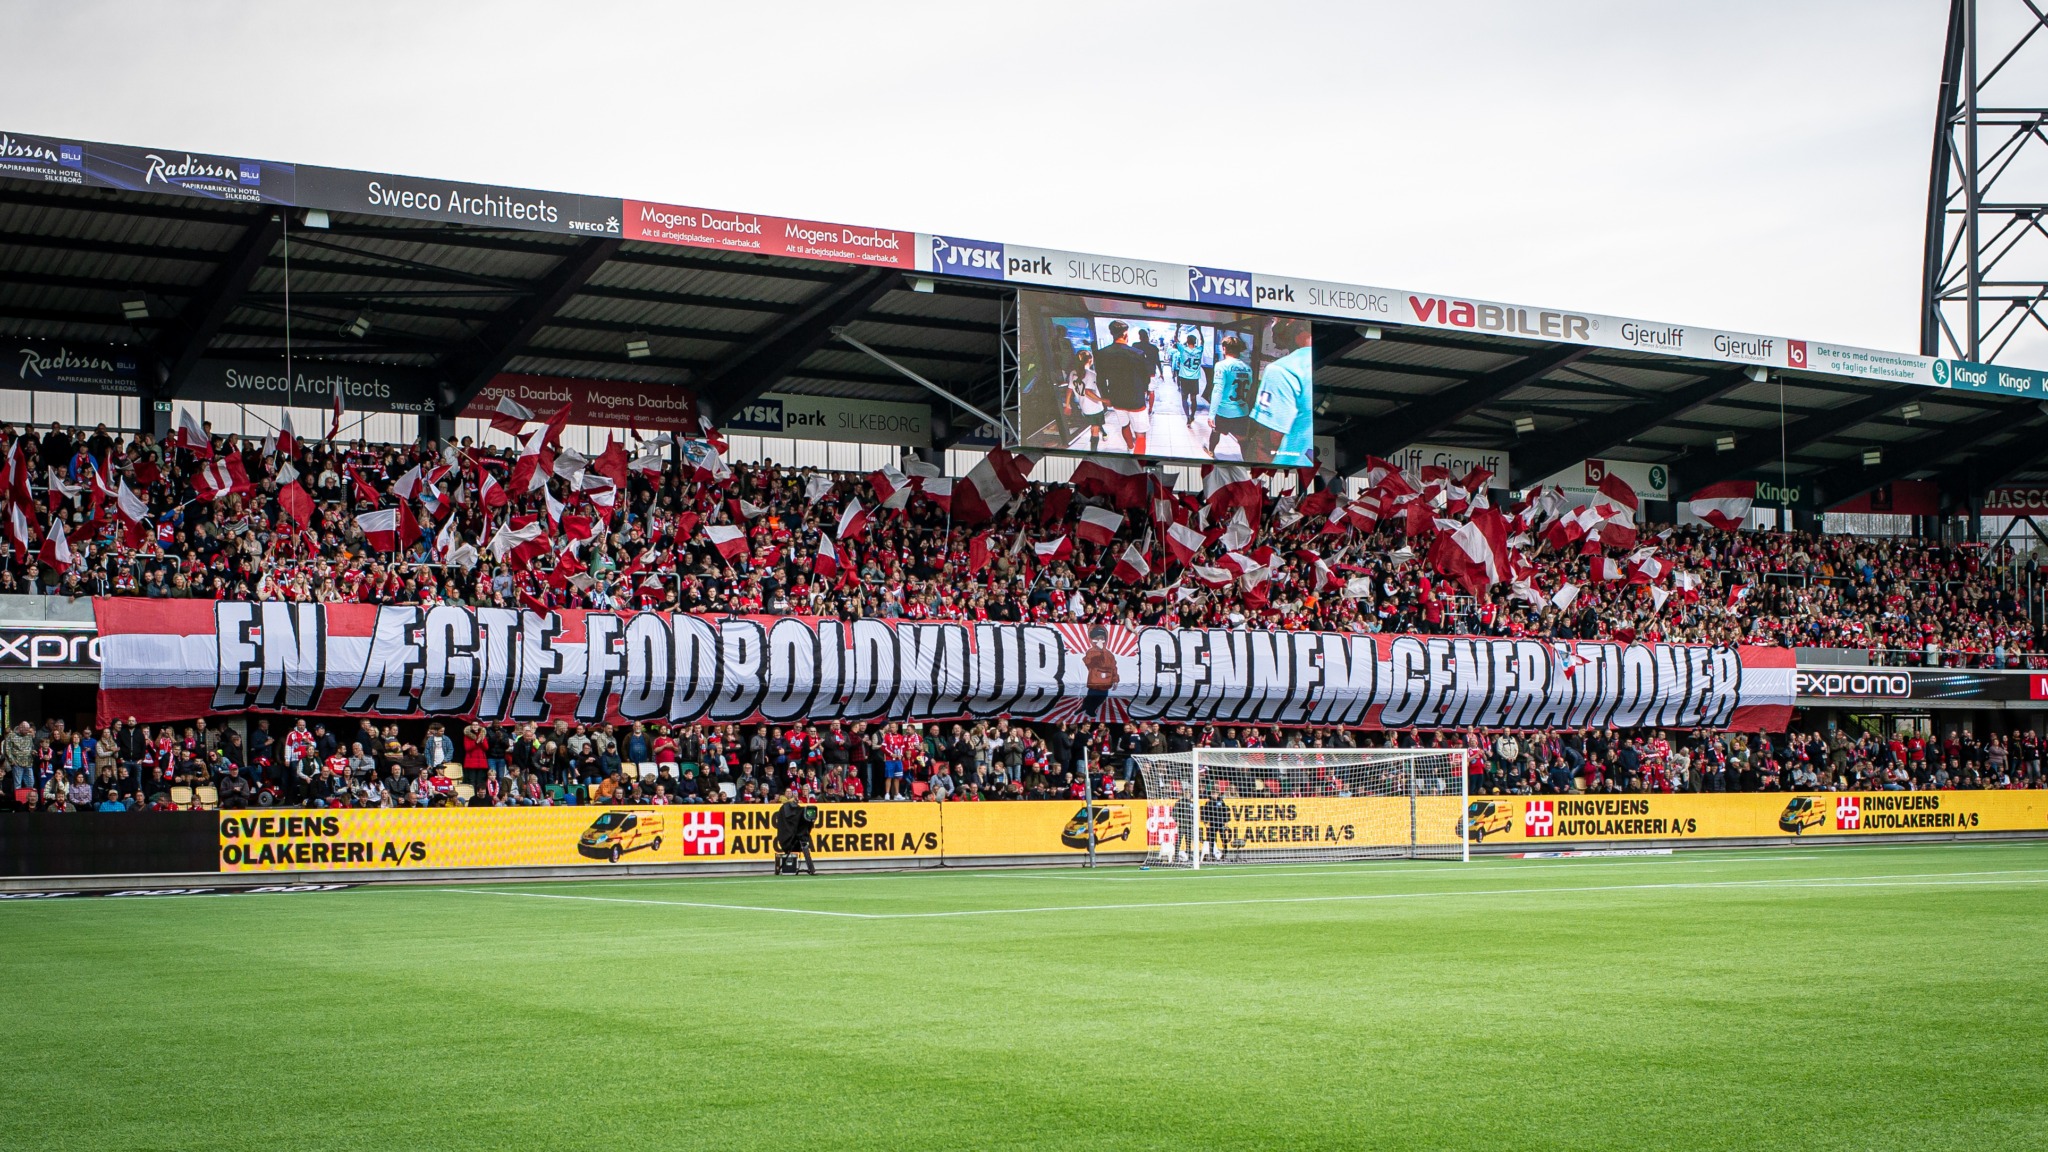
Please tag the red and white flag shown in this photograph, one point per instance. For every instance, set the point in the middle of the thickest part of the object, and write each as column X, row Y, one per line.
column 826, row 562
column 133, row 509
column 490, row 493
column 853, row 520
column 520, row 540
column 1618, row 528
column 1565, row 597
column 56, row 551
column 1052, row 551
column 285, row 445
column 1183, row 542
column 730, row 541
column 510, row 416
column 223, row 477
column 1226, row 486
column 1725, row 505
column 389, row 529
column 1465, row 555
column 296, row 503
column 536, row 462
column 22, row 528
column 891, row 486
column 1645, row 567
column 1606, row 568
column 1736, row 596
column 706, row 465
column 1098, row 526
column 989, row 486
column 1131, row 565
column 191, row 437
column 1118, row 479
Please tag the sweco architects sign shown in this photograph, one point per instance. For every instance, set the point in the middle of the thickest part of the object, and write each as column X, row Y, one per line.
column 310, row 384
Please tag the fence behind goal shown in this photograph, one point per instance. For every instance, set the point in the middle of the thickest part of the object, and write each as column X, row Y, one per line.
column 1250, row 805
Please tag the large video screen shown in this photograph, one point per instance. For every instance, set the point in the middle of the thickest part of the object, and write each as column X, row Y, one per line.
column 1165, row 381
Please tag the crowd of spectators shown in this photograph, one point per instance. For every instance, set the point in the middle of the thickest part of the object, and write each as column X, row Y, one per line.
column 1900, row 598
column 646, row 545
column 130, row 766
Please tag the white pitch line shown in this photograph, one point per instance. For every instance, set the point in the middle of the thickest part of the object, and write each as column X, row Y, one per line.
column 671, row 903
column 1897, row 880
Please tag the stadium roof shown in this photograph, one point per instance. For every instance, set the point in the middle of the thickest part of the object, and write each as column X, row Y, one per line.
column 460, row 282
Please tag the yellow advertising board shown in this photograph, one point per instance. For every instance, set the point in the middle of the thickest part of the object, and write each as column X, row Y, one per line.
column 1539, row 820
column 399, row 838
column 376, row 838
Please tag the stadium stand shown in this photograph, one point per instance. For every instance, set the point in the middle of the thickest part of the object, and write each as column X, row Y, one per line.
column 671, row 525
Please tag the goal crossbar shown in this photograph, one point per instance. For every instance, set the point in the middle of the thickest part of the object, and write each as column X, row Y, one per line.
column 1213, row 806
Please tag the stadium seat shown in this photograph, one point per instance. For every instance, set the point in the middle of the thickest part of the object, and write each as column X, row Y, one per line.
column 464, row 792
column 181, row 796
column 452, row 771
column 207, row 797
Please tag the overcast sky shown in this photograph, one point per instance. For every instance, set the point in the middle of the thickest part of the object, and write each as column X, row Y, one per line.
column 1760, row 166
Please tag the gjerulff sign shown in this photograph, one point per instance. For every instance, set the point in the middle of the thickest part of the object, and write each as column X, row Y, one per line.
column 166, row 661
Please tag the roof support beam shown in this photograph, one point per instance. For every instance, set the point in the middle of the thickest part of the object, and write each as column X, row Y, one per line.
column 1851, row 479
column 758, row 366
column 1597, row 436
column 466, row 370
column 1759, row 449
column 180, row 345
column 1404, row 426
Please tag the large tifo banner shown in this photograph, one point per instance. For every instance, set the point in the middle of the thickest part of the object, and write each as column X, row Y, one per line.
column 172, row 660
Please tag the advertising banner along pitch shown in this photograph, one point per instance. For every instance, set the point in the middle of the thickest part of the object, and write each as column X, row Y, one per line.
column 175, row 660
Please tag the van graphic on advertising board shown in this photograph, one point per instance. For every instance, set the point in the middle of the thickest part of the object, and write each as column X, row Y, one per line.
column 616, row 833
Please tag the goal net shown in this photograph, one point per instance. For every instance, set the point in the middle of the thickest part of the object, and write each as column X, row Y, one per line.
column 1261, row 805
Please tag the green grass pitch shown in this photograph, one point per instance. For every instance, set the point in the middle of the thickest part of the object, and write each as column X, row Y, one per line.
column 1836, row 998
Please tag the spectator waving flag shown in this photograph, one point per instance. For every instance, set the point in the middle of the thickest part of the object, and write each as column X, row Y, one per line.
column 730, row 541
column 1121, row 480
column 296, row 503
column 1052, row 551
column 510, row 416
column 285, row 445
column 891, row 487
column 56, row 551
column 520, row 540
column 1131, row 566
column 223, row 477
column 390, row 529
column 853, row 520
column 191, row 437
column 1725, row 505
column 989, row 486
column 22, row 529
column 1098, row 526
column 1183, row 542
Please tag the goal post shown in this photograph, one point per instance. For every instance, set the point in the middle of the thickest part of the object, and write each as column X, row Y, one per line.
column 1214, row 806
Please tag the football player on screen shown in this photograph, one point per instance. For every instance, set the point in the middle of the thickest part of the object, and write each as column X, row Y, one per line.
column 1230, row 392
column 1284, row 419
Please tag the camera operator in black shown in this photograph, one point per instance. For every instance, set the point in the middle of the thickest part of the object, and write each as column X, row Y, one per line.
column 793, row 824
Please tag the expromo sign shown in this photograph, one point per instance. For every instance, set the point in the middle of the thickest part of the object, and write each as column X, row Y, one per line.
column 830, row 418
column 1864, row 685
